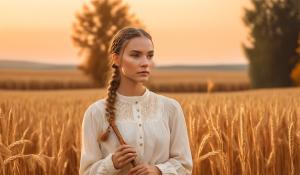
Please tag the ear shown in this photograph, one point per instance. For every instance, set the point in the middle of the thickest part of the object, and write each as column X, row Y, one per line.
column 116, row 59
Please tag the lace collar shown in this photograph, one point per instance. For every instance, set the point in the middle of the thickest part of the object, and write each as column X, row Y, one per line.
column 133, row 99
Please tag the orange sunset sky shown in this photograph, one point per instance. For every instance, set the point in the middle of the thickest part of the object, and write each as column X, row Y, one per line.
column 184, row 31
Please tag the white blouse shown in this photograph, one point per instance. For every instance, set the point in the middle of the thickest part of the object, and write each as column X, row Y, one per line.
column 152, row 123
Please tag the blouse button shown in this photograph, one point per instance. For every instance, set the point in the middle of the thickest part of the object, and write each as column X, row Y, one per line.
column 137, row 110
column 138, row 116
column 141, row 144
column 136, row 102
column 141, row 137
column 140, row 125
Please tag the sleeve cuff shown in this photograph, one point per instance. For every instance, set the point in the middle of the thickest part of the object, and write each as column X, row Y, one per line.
column 108, row 164
column 166, row 168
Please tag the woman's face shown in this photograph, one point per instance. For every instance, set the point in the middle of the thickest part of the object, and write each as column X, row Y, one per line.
column 136, row 61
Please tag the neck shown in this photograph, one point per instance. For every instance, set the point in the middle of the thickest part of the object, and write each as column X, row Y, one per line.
column 131, row 88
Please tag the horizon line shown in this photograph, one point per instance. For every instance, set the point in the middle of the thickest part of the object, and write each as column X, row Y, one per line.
column 162, row 64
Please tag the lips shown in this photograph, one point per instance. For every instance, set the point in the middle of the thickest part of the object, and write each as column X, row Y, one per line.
column 143, row 72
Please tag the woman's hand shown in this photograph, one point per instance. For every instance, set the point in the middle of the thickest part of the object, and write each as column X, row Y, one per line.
column 123, row 155
column 144, row 169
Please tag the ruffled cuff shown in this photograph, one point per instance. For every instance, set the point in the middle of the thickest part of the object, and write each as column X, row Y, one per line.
column 166, row 168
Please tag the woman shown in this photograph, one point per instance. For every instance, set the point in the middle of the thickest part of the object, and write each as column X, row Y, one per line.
column 134, row 130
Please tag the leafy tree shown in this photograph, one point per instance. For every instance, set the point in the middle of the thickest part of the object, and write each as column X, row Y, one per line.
column 296, row 71
column 274, row 27
column 92, row 31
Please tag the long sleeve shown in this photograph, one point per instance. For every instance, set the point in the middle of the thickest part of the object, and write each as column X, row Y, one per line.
column 92, row 161
column 180, row 161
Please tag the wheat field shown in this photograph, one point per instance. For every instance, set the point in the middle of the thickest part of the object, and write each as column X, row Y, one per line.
column 249, row 132
column 162, row 80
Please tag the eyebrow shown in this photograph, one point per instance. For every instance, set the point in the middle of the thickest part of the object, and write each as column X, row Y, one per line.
column 151, row 51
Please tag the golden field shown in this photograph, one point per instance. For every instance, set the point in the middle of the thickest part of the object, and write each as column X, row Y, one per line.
column 249, row 132
column 160, row 80
column 45, row 79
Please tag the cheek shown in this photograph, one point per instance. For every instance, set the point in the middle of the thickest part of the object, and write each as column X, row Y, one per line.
column 129, row 66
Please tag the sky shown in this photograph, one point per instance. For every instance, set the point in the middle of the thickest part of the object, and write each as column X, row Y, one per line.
column 184, row 31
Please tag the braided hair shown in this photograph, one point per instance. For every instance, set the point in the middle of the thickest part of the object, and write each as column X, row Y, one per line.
column 117, row 46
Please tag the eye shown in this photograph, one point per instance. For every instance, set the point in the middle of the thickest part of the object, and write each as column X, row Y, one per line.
column 150, row 56
column 135, row 55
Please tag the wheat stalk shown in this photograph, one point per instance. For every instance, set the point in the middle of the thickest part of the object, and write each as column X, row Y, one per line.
column 207, row 155
column 291, row 147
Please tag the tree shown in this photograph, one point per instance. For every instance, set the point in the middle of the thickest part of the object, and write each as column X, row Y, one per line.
column 274, row 27
column 92, row 31
column 295, row 75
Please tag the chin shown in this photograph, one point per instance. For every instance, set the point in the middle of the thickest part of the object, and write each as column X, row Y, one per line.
column 142, row 80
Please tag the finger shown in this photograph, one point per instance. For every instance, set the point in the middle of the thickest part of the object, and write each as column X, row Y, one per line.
column 126, row 161
column 134, row 169
column 127, row 156
column 144, row 173
column 141, row 171
column 122, row 163
column 127, row 150
column 121, row 147
column 120, row 157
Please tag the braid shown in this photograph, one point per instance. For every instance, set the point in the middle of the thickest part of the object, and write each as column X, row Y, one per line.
column 117, row 46
column 111, row 99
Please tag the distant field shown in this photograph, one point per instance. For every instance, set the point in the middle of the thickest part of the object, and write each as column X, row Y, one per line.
column 160, row 80
column 46, row 79
column 250, row 132
column 185, row 76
